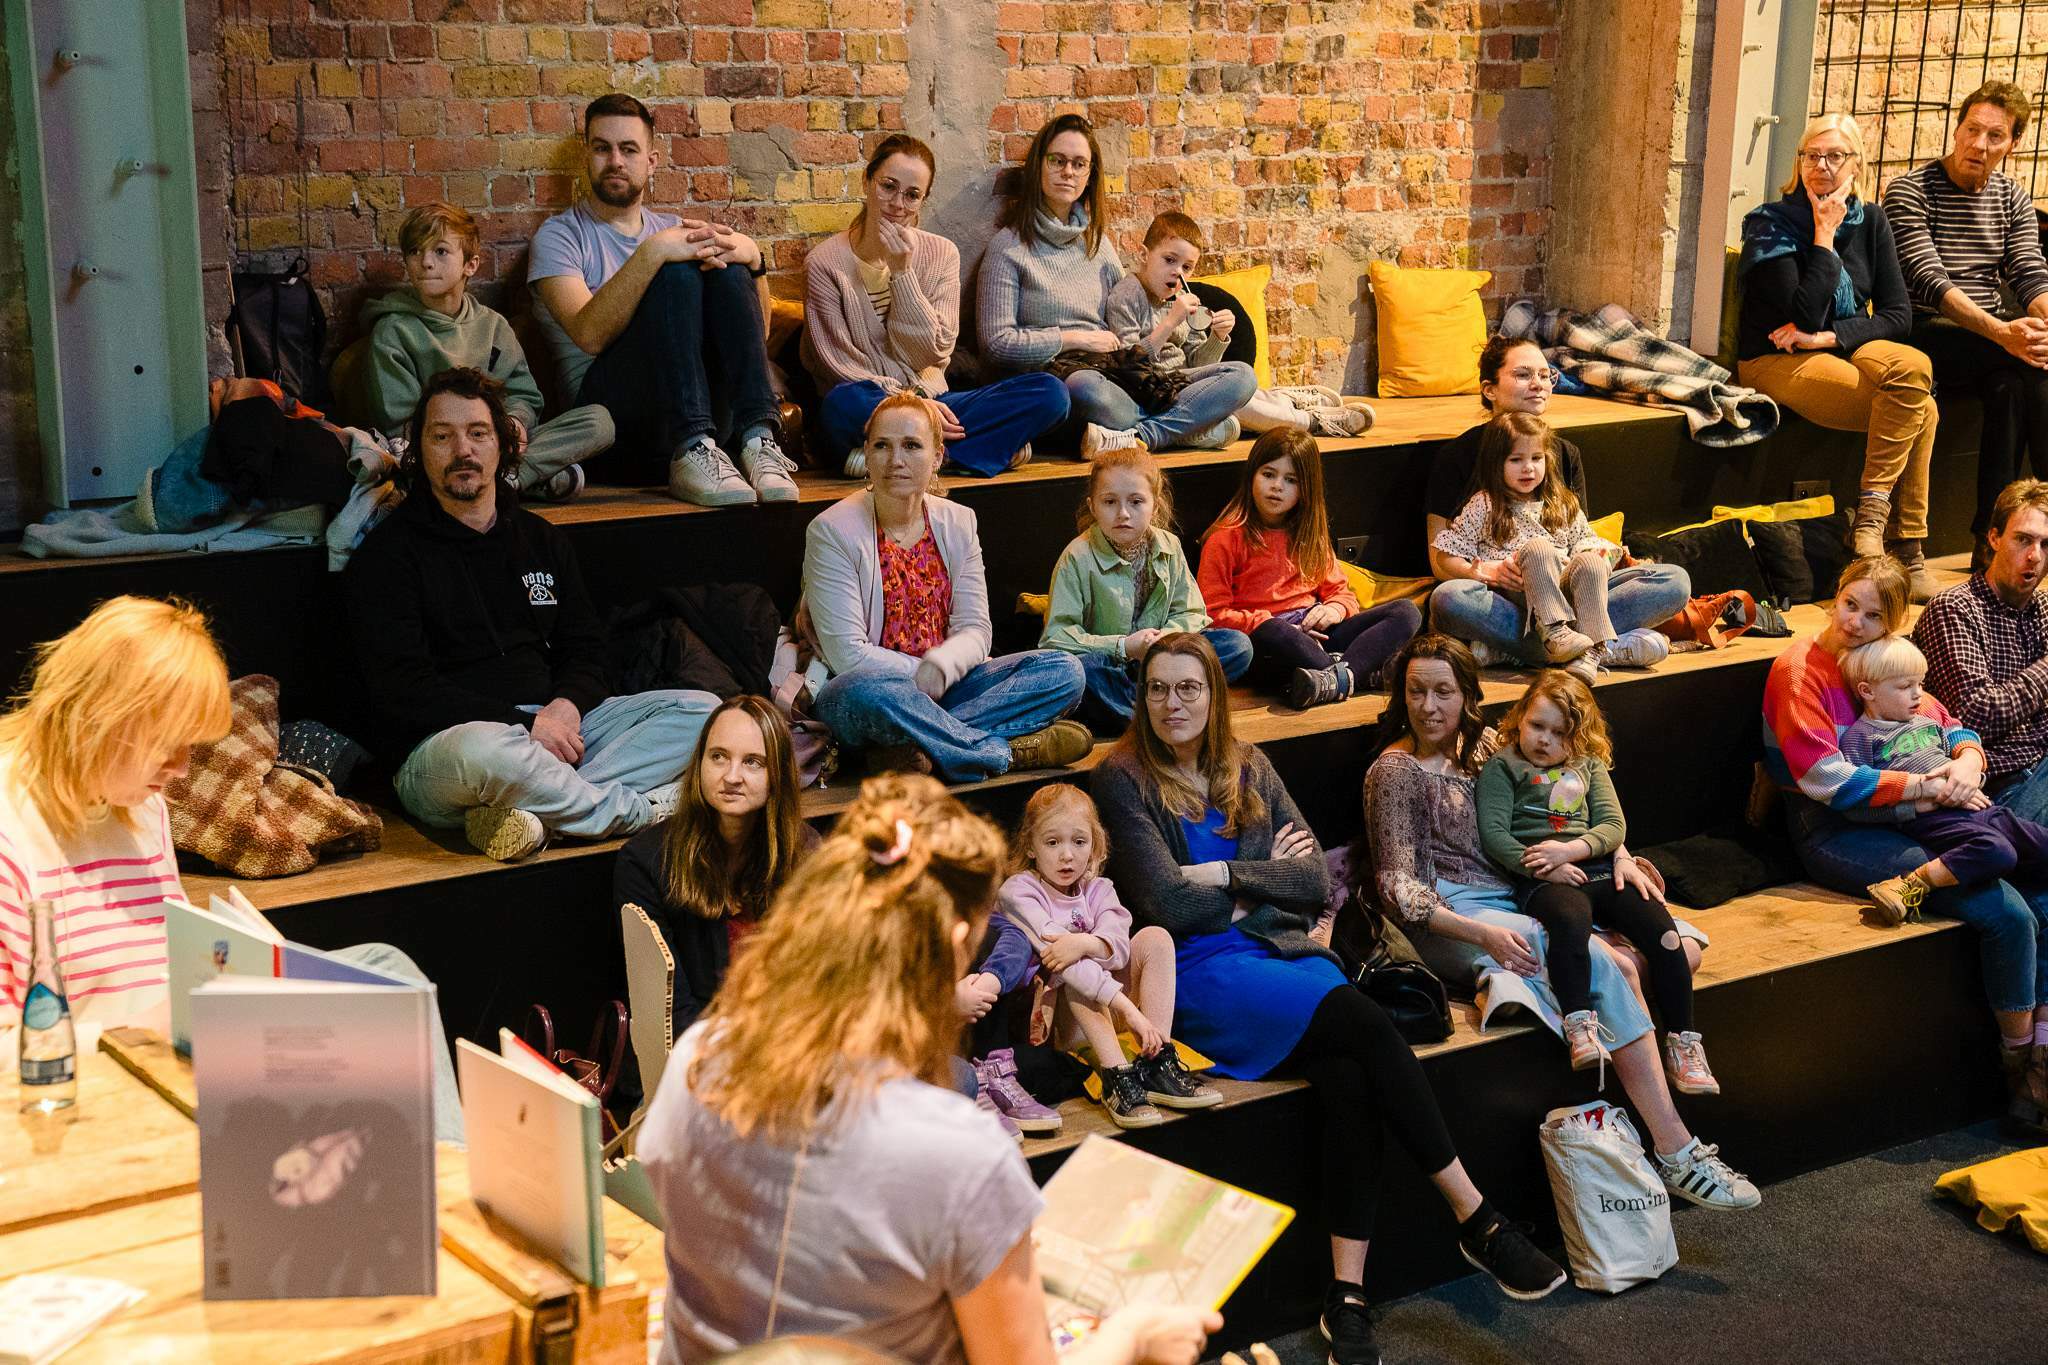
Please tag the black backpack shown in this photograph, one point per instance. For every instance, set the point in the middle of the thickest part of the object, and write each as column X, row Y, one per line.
column 279, row 331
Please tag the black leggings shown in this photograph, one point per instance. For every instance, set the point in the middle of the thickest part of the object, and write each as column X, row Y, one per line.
column 1367, row 1079
column 1365, row 641
column 1568, row 913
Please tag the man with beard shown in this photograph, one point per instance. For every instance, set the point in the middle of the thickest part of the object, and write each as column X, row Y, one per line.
column 657, row 319
column 483, row 659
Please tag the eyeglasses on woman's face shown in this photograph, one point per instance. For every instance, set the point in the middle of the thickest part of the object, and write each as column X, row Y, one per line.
column 1061, row 162
column 1827, row 161
column 1187, row 689
column 1525, row 375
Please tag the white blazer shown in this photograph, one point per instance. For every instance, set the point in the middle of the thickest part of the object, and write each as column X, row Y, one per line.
column 843, row 588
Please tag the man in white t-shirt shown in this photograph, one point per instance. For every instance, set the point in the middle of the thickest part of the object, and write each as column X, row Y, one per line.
column 658, row 319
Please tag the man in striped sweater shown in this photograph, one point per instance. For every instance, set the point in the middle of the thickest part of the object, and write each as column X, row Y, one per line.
column 1971, row 251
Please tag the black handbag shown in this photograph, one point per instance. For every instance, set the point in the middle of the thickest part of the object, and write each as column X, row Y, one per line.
column 1380, row 960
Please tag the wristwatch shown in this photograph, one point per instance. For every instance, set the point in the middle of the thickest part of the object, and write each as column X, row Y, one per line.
column 759, row 268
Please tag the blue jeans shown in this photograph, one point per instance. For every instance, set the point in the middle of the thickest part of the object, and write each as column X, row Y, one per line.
column 2026, row 793
column 382, row 957
column 1113, row 682
column 967, row 732
column 631, row 745
column 1001, row 418
column 2012, row 929
column 1637, row 597
column 692, row 362
column 1213, row 393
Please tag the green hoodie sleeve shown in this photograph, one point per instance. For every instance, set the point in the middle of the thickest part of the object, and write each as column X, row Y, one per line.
column 1606, row 827
column 508, row 367
column 1495, row 799
column 1066, row 618
column 389, row 376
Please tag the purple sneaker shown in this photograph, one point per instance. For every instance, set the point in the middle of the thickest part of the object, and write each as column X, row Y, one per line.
column 988, row 1106
column 998, row 1074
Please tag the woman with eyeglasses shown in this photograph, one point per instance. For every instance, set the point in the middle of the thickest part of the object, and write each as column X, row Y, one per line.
column 1480, row 602
column 881, row 316
column 1825, row 315
column 1043, row 296
column 1206, row 843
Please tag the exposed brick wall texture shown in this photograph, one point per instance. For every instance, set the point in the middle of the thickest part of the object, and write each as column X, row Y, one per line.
column 1297, row 133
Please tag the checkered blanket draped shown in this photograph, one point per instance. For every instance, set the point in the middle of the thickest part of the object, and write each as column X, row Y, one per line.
column 241, row 810
column 1612, row 353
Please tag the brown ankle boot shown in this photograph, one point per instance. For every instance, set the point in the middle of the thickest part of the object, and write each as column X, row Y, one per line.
column 1912, row 556
column 2037, row 1078
column 2021, row 1070
column 1866, row 531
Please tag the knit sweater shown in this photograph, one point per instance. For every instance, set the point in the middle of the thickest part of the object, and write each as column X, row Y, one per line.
column 1918, row 744
column 843, row 588
column 845, row 340
column 1800, row 289
column 1148, row 848
column 1521, row 804
column 1807, row 709
column 1027, row 295
column 1092, row 588
column 1949, row 238
column 379, row 379
column 1469, row 536
column 1044, row 914
column 1247, row 585
column 1424, row 828
column 1132, row 316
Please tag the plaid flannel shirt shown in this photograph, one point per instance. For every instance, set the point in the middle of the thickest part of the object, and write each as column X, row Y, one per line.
column 1988, row 663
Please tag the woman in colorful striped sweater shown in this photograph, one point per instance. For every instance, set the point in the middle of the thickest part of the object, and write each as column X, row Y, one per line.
column 1807, row 707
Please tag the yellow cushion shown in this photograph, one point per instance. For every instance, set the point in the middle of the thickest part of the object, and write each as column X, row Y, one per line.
column 1371, row 589
column 1037, row 604
column 1608, row 528
column 1798, row 509
column 1431, row 330
column 1248, row 287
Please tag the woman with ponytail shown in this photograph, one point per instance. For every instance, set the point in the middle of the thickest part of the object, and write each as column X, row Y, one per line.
column 807, row 1124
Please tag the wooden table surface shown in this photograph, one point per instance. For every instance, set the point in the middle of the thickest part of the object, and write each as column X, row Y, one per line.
column 120, row 1144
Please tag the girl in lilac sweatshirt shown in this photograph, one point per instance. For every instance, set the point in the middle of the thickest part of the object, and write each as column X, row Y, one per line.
column 1099, row 969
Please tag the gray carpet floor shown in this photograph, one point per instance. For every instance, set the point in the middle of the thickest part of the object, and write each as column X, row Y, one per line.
column 1857, row 1263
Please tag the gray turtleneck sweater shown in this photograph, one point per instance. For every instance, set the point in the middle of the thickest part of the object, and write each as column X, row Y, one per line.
column 1027, row 295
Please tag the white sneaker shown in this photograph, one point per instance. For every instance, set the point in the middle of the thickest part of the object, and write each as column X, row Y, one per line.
column 1214, row 437
column 1697, row 1174
column 1642, row 648
column 702, row 473
column 1485, row 655
column 1097, row 439
column 768, row 469
column 1586, row 668
column 565, row 483
column 663, row 800
column 1339, row 421
column 504, row 833
column 1022, row 457
column 856, row 466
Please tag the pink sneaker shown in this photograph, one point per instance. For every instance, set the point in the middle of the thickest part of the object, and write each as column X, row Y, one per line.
column 1685, row 1062
column 998, row 1075
column 988, row 1106
column 1582, row 1036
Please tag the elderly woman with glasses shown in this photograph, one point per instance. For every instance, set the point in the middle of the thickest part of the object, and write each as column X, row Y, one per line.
column 1480, row 602
column 1825, row 314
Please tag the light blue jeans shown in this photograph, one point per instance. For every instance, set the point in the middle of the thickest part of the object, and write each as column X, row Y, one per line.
column 631, row 745
column 1637, row 597
column 965, row 733
column 1614, row 1000
column 1213, row 393
column 2027, row 794
column 382, row 957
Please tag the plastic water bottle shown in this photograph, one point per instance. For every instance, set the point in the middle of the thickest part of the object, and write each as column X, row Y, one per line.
column 49, row 1044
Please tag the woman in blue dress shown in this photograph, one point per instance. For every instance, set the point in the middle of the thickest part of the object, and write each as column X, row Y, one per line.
column 1206, row 843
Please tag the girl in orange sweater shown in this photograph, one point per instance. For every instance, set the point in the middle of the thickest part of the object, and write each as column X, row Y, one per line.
column 1268, row 569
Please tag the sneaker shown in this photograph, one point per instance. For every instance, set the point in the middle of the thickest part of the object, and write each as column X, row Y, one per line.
column 1022, row 457
column 702, row 473
column 1318, row 686
column 1339, row 421
column 856, row 466
column 1123, row 1095
column 1485, row 655
column 1866, row 527
column 1347, row 1326
column 988, row 1106
column 561, row 486
column 1586, row 668
column 1097, row 439
column 1505, row 1252
column 1058, row 745
column 663, row 800
column 505, row 834
column 1561, row 642
column 1897, row 899
column 1214, row 437
column 1685, row 1062
column 768, row 469
column 1582, row 1035
column 998, row 1075
column 1168, row 1082
column 1642, row 648
column 1697, row 1174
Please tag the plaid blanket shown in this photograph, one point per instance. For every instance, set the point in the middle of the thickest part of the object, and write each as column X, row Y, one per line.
column 239, row 809
column 1613, row 354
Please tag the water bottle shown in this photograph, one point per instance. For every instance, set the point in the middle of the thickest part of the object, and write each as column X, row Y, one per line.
column 49, row 1044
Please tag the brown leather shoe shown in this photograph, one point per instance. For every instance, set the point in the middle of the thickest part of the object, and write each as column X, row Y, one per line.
column 2021, row 1066
column 1058, row 745
column 1912, row 555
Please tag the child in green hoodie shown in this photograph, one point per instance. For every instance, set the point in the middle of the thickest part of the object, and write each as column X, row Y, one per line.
column 431, row 325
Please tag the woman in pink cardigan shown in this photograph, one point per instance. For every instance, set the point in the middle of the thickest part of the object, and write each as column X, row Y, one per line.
column 881, row 315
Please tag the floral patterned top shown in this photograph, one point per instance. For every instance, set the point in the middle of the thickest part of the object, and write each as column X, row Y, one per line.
column 1424, row 828
column 1466, row 535
column 917, row 593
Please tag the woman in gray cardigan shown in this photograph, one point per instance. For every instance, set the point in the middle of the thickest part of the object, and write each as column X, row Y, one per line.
column 1206, row 843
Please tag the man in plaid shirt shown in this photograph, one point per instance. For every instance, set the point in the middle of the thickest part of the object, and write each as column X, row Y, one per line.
column 1986, row 642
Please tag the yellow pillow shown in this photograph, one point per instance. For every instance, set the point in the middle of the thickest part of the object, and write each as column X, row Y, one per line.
column 1798, row 509
column 1608, row 528
column 1037, row 604
column 1431, row 329
column 1248, row 287
column 1371, row 589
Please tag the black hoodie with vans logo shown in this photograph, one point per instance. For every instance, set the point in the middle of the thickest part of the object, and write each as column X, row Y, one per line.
column 453, row 625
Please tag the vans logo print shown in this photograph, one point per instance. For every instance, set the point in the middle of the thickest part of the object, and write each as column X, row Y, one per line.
column 540, row 589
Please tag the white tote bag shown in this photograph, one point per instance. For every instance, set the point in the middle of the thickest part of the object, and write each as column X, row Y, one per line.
column 1613, row 1207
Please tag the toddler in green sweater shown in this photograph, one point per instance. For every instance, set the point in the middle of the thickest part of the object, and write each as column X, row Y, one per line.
column 1549, row 817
